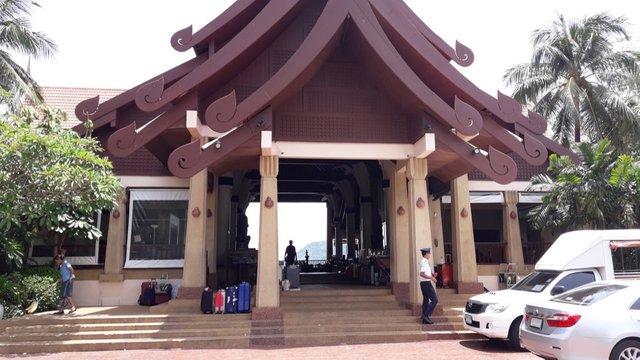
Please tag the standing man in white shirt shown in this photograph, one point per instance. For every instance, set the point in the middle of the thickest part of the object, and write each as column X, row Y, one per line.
column 429, row 297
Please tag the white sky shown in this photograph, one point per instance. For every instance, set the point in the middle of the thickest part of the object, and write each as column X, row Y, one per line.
column 119, row 44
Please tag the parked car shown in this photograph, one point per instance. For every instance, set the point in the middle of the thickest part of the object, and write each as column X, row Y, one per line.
column 574, row 259
column 600, row 320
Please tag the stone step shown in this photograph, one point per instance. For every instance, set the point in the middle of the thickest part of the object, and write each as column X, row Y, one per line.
column 129, row 326
column 336, row 299
column 345, row 306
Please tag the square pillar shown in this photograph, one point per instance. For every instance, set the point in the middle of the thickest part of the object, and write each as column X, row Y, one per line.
column 194, row 271
column 419, row 226
column 511, row 228
column 114, row 257
column 465, row 271
column 267, row 287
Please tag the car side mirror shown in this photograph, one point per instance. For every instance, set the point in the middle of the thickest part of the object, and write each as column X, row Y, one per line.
column 557, row 290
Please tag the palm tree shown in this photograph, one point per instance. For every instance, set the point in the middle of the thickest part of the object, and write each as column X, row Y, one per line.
column 17, row 37
column 582, row 82
column 600, row 192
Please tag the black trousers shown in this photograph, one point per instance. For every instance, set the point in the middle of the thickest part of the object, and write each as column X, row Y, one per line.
column 429, row 298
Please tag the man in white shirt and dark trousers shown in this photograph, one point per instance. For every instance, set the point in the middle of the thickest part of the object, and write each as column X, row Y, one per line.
column 429, row 297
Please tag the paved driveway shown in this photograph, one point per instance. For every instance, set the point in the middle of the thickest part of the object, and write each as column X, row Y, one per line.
column 440, row 349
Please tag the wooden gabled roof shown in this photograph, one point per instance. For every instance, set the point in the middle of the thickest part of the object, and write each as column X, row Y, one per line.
column 405, row 60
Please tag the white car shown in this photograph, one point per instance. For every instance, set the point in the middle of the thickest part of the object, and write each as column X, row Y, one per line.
column 498, row 314
column 599, row 321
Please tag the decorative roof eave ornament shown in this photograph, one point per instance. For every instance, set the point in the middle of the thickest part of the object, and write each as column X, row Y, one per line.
column 184, row 39
column 152, row 96
column 191, row 158
column 125, row 141
column 496, row 165
column 91, row 108
column 505, row 108
column 462, row 55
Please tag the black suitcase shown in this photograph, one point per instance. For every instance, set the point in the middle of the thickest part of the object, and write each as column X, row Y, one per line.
column 147, row 294
column 206, row 301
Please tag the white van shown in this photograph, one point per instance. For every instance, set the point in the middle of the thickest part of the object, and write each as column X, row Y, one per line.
column 574, row 259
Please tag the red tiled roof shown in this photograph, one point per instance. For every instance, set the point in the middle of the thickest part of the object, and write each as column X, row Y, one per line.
column 66, row 99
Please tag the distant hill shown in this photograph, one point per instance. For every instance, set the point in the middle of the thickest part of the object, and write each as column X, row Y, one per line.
column 317, row 251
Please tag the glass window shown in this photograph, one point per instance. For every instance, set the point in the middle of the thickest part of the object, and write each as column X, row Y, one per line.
column 157, row 228
column 636, row 305
column 78, row 251
column 589, row 295
column 536, row 281
column 574, row 280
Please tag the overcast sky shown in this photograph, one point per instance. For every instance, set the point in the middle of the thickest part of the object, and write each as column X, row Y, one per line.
column 120, row 44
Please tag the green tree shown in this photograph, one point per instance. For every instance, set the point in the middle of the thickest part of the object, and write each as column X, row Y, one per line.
column 16, row 36
column 582, row 81
column 600, row 192
column 52, row 181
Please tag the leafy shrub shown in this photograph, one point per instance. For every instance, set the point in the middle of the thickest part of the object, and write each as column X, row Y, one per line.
column 9, row 288
column 11, row 310
column 47, row 271
column 39, row 288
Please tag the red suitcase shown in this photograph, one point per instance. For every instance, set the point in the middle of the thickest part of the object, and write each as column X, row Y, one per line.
column 218, row 302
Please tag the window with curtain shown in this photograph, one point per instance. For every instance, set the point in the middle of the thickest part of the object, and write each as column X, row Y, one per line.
column 157, row 228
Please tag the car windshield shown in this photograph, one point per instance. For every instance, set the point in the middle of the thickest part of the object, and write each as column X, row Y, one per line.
column 536, row 281
column 589, row 295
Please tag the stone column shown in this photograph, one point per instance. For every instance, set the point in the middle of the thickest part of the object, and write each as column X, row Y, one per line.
column 351, row 233
column 222, row 217
column 337, row 231
column 511, row 228
column 399, row 214
column 114, row 257
column 193, row 273
column 465, row 271
column 211, row 231
column 366, row 207
column 267, row 287
column 419, row 227
column 330, row 231
column 437, row 234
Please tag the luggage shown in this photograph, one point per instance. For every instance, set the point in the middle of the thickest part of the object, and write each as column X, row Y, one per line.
column 244, row 297
column 293, row 275
column 206, row 301
column 147, row 293
column 218, row 302
column 231, row 299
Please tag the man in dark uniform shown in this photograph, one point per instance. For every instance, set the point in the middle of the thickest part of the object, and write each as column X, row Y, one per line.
column 429, row 297
column 290, row 254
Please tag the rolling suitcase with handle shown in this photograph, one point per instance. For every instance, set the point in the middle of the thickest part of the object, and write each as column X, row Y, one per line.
column 218, row 302
column 206, row 301
column 244, row 297
column 231, row 299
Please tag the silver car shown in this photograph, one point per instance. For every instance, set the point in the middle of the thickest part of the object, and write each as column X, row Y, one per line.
column 599, row 321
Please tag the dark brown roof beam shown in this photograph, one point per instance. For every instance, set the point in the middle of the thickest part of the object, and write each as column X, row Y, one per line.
column 153, row 95
column 463, row 117
column 220, row 29
column 128, row 139
column 92, row 109
column 292, row 76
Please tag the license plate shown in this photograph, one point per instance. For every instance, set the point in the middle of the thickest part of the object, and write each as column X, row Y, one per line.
column 468, row 319
column 536, row 323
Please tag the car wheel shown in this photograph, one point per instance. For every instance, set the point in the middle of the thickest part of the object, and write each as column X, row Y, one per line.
column 514, row 334
column 626, row 350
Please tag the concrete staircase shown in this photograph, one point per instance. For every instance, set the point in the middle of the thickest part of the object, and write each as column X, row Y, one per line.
column 316, row 315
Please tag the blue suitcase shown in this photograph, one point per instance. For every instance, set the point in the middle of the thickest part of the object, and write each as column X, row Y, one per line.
column 244, row 297
column 231, row 301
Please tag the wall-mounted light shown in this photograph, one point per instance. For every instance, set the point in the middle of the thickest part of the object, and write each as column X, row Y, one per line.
column 420, row 203
column 268, row 203
column 464, row 213
column 217, row 145
column 400, row 211
column 115, row 213
column 195, row 212
column 513, row 215
column 209, row 213
column 475, row 151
